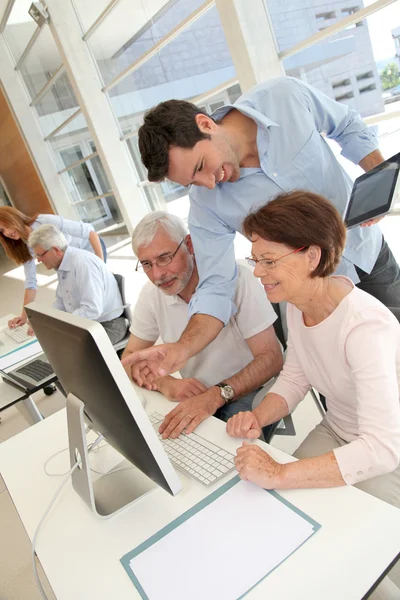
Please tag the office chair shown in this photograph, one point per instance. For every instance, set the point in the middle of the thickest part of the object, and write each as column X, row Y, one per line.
column 285, row 426
column 396, row 312
column 288, row 426
column 119, row 346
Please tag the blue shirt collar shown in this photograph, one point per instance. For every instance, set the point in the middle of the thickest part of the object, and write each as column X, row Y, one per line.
column 254, row 114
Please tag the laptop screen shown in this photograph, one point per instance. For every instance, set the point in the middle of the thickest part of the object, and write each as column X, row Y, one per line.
column 373, row 193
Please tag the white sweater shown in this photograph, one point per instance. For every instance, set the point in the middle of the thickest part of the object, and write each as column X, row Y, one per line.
column 353, row 359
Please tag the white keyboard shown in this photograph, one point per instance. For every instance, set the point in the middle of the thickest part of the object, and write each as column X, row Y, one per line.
column 195, row 456
column 19, row 334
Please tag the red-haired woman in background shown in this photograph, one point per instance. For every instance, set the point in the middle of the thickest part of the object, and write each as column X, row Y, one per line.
column 15, row 228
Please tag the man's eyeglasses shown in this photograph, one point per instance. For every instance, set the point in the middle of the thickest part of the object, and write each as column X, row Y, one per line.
column 271, row 264
column 43, row 253
column 161, row 261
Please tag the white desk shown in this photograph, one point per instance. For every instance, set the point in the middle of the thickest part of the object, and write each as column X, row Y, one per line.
column 10, row 395
column 359, row 537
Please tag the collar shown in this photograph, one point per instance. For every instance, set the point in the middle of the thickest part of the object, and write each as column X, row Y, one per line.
column 170, row 300
column 66, row 261
column 254, row 114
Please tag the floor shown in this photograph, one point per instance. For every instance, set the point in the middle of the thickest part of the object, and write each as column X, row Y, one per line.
column 16, row 577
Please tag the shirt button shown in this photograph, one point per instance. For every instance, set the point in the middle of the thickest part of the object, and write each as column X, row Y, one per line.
column 275, row 174
column 360, row 473
column 347, row 476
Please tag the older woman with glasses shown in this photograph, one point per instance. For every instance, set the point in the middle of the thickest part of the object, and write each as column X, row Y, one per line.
column 342, row 341
column 15, row 229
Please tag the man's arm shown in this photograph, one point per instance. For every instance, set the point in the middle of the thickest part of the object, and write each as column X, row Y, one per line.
column 372, row 160
column 266, row 364
column 211, row 306
column 135, row 344
column 96, row 245
column 164, row 359
column 171, row 387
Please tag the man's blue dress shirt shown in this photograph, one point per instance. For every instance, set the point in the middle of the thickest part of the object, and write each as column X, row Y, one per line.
column 86, row 287
column 290, row 118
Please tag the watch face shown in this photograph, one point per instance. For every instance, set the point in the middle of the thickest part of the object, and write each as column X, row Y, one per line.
column 227, row 392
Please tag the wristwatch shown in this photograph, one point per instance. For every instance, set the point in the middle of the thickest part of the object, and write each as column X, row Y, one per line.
column 226, row 391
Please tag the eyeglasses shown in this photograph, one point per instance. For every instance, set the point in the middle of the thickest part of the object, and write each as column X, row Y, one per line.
column 271, row 264
column 43, row 253
column 161, row 261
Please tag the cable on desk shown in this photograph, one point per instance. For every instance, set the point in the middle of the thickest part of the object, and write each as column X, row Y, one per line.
column 48, row 509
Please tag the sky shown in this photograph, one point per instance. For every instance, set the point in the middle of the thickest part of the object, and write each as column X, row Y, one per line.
column 380, row 26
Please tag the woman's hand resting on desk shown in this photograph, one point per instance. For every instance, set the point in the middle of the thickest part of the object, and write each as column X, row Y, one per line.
column 255, row 465
column 243, row 425
column 17, row 321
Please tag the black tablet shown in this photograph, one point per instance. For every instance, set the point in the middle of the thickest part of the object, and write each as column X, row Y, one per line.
column 374, row 193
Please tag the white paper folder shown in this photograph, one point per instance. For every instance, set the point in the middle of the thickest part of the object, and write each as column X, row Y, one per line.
column 239, row 524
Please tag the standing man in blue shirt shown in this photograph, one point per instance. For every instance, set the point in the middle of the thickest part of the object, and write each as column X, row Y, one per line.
column 267, row 143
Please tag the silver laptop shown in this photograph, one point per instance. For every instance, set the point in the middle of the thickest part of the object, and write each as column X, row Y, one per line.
column 32, row 374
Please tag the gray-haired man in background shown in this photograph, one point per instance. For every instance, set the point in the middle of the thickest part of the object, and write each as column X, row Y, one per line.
column 85, row 286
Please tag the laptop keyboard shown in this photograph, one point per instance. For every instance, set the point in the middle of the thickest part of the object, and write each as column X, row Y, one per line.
column 195, row 456
column 37, row 370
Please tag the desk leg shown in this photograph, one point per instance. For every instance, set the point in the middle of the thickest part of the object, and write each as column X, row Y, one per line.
column 29, row 411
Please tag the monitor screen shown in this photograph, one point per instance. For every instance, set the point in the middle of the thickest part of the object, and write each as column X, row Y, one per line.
column 373, row 193
column 87, row 366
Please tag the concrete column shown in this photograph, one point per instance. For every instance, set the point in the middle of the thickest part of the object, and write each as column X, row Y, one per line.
column 83, row 74
column 251, row 40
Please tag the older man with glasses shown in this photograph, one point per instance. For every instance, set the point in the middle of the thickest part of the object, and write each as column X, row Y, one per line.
column 85, row 286
column 224, row 378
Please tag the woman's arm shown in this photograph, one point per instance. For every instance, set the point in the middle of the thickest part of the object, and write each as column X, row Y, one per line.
column 29, row 296
column 255, row 465
column 94, row 240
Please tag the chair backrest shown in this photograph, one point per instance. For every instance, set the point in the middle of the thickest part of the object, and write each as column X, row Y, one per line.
column 280, row 325
column 120, row 279
column 396, row 312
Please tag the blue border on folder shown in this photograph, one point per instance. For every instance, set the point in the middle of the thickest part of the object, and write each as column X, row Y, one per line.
column 19, row 348
column 126, row 559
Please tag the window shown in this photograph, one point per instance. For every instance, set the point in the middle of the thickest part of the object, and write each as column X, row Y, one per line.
column 325, row 16
column 341, row 83
column 362, row 76
column 344, row 97
column 368, row 88
column 349, row 11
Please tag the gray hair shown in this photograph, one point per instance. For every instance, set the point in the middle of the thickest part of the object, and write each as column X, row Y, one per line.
column 48, row 236
column 147, row 228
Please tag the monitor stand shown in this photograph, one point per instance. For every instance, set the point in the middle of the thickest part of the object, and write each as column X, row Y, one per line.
column 116, row 489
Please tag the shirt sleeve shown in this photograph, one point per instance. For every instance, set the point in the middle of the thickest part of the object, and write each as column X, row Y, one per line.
column 144, row 323
column 215, row 258
column 339, row 122
column 90, row 284
column 254, row 310
column 77, row 229
column 30, row 274
column 292, row 384
column 371, row 348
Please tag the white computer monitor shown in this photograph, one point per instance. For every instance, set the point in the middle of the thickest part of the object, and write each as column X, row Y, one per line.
column 100, row 392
